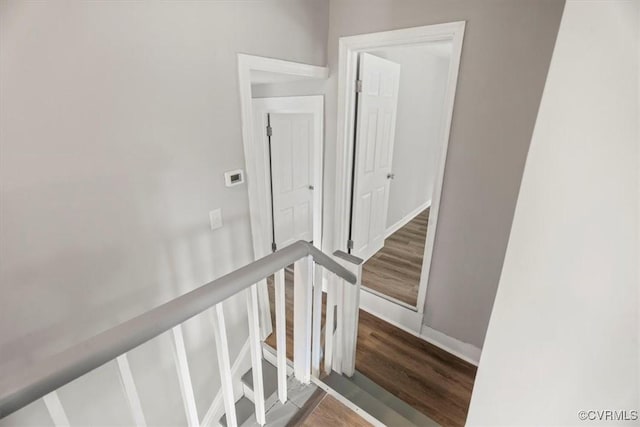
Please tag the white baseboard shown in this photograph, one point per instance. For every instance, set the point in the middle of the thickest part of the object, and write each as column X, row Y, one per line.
column 406, row 219
column 395, row 314
column 239, row 367
column 411, row 322
column 465, row 351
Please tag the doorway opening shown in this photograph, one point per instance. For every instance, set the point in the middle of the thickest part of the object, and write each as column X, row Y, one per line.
column 289, row 129
column 270, row 126
column 395, row 104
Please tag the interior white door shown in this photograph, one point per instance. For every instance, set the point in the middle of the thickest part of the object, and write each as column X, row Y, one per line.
column 375, row 134
column 292, row 174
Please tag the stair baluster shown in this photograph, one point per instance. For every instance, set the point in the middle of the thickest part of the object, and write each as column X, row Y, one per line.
column 281, row 334
column 224, row 365
column 256, row 353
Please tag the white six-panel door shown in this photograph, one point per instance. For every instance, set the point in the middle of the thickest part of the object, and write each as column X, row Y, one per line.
column 375, row 134
column 292, row 175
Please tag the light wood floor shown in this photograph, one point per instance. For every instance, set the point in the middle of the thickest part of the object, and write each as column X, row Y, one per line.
column 395, row 269
column 331, row 413
column 431, row 380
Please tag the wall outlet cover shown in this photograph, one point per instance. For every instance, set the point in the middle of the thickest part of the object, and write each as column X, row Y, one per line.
column 215, row 218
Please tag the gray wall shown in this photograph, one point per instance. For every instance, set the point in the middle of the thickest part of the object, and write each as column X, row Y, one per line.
column 295, row 88
column 564, row 335
column 505, row 57
column 117, row 123
column 419, row 123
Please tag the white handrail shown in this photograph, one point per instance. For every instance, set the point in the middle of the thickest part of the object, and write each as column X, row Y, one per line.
column 22, row 388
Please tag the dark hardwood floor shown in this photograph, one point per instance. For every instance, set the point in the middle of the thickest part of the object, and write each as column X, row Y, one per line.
column 431, row 380
column 395, row 269
column 428, row 378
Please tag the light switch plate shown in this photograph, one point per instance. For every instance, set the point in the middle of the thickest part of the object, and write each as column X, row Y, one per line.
column 215, row 218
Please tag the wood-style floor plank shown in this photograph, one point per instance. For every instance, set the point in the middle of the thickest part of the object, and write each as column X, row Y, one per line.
column 395, row 269
column 331, row 413
column 428, row 378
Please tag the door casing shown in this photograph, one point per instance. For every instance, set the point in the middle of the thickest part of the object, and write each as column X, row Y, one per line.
column 348, row 50
column 247, row 65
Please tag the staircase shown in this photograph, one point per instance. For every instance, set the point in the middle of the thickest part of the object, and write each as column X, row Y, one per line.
column 320, row 382
column 376, row 401
column 277, row 413
column 372, row 399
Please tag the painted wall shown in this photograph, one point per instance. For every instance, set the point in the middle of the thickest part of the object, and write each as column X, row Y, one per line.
column 505, row 57
column 418, row 136
column 117, row 121
column 295, row 88
column 564, row 334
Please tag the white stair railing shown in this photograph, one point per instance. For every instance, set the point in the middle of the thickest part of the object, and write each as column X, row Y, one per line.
column 41, row 382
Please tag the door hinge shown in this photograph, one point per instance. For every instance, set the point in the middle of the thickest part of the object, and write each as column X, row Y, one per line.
column 274, row 247
column 269, row 130
column 358, row 86
column 349, row 244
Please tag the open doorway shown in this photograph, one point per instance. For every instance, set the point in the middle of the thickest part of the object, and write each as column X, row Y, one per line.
column 283, row 146
column 396, row 93
column 290, row 130
column 399, row 166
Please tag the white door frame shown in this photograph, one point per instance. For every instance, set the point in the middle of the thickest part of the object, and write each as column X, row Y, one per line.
column 282, row 105
column 297, row 71
column 349, row 47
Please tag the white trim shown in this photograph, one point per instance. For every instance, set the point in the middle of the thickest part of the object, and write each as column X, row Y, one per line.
column 261, row 247
column 349, row 47
column 55, row 409
column 380, row 306
column 247, row 63
column 465, row 351
column 406, row 219
column 398, row 318
column 216, row 409
column 389, row 298
column 314, row 105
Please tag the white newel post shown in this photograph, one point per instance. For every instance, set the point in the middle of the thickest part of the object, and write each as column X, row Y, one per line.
column 281, row 333
column 317, row 320
column 330, row 324
column 302, row 310
column 348, row 313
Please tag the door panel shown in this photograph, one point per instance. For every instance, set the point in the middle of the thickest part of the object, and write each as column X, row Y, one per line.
column 375, row 134
column 292, row 175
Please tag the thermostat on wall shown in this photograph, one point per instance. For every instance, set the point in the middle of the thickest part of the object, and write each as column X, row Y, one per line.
column 235, row 177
